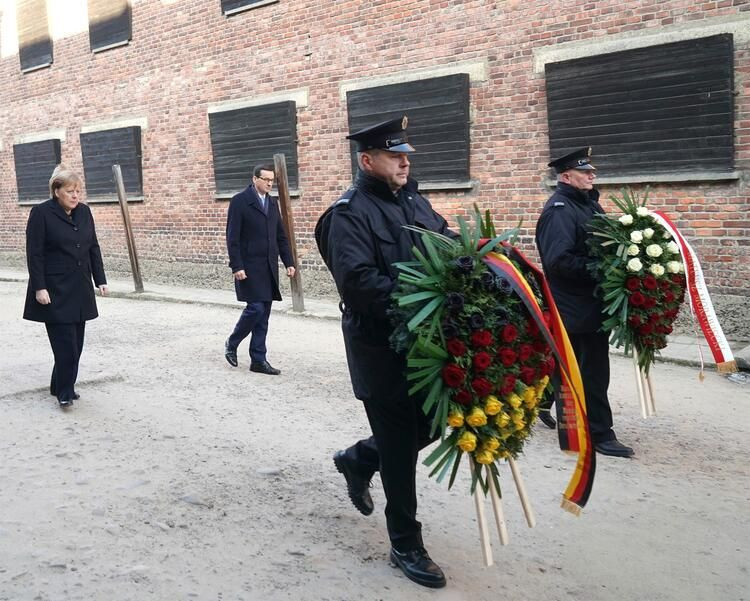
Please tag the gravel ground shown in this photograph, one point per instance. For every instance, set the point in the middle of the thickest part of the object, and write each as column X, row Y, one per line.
column 177, row 477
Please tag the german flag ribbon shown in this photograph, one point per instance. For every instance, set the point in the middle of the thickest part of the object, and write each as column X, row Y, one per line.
column 573, row 429
column 701, row 306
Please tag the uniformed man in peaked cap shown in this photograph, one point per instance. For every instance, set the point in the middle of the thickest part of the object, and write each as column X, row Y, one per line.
column 360, row 237
column 561, row 235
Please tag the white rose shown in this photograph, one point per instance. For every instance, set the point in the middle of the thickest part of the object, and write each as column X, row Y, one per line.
column 636, row 236
column 642, row 212
column 633, row 250
column 657, row 270
column 654, row 250
column 648, row 233
column 673, row 267
column 666, row 235
column 626, row 219
column 635, row 265
column 672, row 247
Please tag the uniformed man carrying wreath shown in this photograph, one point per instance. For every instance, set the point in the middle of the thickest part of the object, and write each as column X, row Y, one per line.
column 360, row 238
column 561, row 235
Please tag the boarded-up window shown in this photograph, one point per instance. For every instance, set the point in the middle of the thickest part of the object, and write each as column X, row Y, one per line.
column 246, row 137
column 657, row 110
column 110, row 23
column 35, row 162
column 438, row 111
column 34, row 42
column 101, row 150
column 229, row 7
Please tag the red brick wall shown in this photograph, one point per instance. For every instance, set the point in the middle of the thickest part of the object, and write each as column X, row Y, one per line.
column 185, row 56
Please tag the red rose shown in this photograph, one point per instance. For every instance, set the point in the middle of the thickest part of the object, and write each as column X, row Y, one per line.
column 539, row 346
column 482, row 361
column 509, row 383
column 456, row 347
column 632, row 284
column 668, row 329
column 509, row 333
column 482, row 386
column 650, row 302
column 532, row 329
column 481, row 338
column 463, row 397
column 507, row 356
column 637, row 299
column 453, row 375
column 528, row 375
column 665, row 284
column 668, row 296
column 650, row 283
column 634, row 320
column 645, row 329
column 551, row 363
column 525, row 352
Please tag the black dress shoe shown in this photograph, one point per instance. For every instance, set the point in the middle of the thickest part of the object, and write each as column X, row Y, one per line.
column 418, row 567
column 264, row 368
column 357, row 485
column 76, row 396
column 230, row 354
column 546, row 418
column 65, row 403
column 613, row 448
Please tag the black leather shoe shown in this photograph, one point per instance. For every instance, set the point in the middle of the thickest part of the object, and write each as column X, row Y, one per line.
column 613, row 448
column 65, row 403
column 418, row 567
column 264, row 368
column 357, row 485
column 76, row 396
column 546, row 418
column 230, row 354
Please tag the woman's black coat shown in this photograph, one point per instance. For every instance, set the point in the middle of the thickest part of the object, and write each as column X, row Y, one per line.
column 62, row 254
column 255, row 239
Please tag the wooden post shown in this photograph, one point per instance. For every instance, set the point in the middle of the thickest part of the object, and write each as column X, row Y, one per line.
column 117, row 172
column 279, row 163
column 527, row 510
column 497, row 509
column 484, row 533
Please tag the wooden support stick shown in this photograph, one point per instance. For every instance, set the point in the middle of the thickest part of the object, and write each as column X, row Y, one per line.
column 497, row 509
column 129, row 238
column 646, row 394
column 639, row 385
column 652, row 404
column 527, row 510
column 484, row 535
column 285, row 205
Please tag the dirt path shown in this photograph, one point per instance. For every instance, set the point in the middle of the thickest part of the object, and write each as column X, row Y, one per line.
column 177, row 477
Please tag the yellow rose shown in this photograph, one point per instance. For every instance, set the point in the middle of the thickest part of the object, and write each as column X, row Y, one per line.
column 467, row 442
column 491, row 444
column 543, row 382
column 514, row 400
column 502, row 420
column 476, row 418
column 455, row 419
column 484, row 457
column 492, row 405
column 505, row 434
column 503, row 454
column 529, row 396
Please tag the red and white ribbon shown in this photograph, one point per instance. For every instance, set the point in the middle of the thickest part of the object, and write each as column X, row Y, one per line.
column 700, row 301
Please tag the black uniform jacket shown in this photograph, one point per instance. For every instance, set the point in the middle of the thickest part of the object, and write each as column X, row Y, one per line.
column 62, row 254
column 359, row 238
column 254, row 241
column 561, row 235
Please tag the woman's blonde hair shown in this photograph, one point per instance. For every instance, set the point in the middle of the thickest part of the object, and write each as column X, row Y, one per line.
column 62, row 176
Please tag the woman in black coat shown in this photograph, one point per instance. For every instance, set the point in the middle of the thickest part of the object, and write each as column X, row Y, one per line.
column 63, row 254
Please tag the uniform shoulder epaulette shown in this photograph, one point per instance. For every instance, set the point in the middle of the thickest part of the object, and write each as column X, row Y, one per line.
column 558, row 204
column 346, row 197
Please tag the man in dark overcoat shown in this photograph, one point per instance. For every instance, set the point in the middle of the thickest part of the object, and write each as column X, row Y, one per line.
column 255, row 240
column 561, row 238
column 63, row 255
column 360, row 238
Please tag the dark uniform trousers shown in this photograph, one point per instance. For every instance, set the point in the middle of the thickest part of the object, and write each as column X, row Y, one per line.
column 66, row 340
column 400, row 430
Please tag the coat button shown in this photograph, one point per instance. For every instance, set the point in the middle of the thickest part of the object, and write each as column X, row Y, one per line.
column 78, row 245
column 75, row 229
column 79, row 263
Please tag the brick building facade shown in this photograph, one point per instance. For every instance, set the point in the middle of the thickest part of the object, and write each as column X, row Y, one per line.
column 182, row 63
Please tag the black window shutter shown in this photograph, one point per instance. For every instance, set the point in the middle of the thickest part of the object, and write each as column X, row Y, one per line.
column 230, row 5
column 34, row 42
column 101, row 150
column 246, row 137
column 438, row 112
column 35, row 162
column 110, row 22
column 657, row 110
